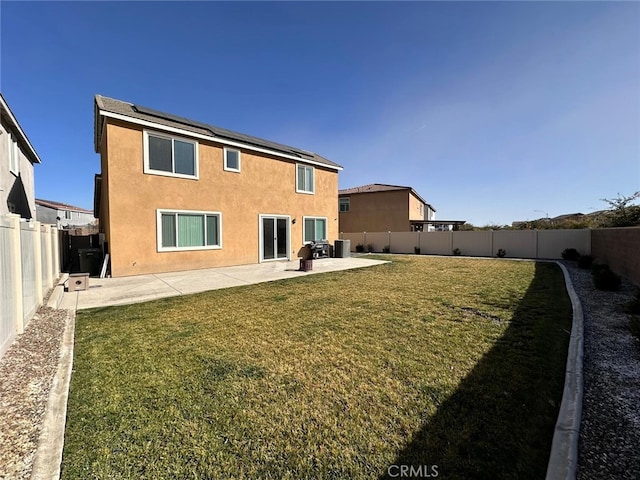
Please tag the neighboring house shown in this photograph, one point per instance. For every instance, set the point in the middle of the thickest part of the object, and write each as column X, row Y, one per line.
column 17, row 157
column 175, row 194
column 62, row 214
column 380, row 208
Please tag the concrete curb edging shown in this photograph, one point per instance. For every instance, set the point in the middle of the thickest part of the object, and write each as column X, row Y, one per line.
column 58, row 290
column 48, row 457
column 563, row 460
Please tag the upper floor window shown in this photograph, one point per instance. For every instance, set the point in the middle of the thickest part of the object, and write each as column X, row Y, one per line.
column 231, row 160
column 166, row 155
column 345, row 204
column 14, row 155
column 67, row 214
column 305, row 179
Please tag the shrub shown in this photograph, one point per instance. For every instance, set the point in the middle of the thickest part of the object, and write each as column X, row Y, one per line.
column 386, row 249
column 370, row 248
column 456, row 251
column 606, row 279
column 585, row 261
column 359, row 248
column 570, row 254
column 416, row 250
column 501, row 253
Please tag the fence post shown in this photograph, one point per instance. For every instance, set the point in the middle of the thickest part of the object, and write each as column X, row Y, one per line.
column 48, row 255
column 37, row 255
column 55, row 252
column 16, row 247
column 491, row 253
column 536, row 237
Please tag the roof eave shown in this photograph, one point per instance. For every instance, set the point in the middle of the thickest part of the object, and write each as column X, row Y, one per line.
column 33, row 155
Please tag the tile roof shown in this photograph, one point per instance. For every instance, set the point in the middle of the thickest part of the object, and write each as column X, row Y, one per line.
column 138, row 112
column 381, row 187
column 61, row 206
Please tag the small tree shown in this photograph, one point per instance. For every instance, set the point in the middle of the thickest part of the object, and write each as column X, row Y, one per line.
column 622, row 212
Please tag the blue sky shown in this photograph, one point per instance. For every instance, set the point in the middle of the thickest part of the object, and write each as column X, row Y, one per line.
column 490, row 110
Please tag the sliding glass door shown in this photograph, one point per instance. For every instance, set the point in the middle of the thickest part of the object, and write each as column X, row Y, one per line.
column 274, row 244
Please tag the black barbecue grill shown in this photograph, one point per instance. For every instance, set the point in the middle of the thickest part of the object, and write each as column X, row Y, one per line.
column 319, row 249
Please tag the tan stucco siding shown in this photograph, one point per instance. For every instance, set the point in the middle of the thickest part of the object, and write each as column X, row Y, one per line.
column 265, row 185
column 376, row 212
column 103, row 218
column 416, row 208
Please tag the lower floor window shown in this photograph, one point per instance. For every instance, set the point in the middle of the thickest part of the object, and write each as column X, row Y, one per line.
column 315, row 229
column 186, row 230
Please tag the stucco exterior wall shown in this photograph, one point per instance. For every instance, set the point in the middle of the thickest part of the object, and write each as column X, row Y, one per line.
column 18, row 190
column 266, row 185
column 46, row 215
column 417, row 209
column 50, row 216
column 377, row 212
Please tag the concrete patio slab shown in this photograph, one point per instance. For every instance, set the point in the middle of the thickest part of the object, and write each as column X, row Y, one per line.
column 142, row 288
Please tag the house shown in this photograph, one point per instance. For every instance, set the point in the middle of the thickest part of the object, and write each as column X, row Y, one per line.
column 380, row 208
column 17, row 157
column 62, row 214
column 176, row 194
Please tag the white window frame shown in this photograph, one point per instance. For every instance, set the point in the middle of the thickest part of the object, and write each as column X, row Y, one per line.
column 150, row 171
column 348, row 204
column 313, row 178
column 224, row 160
column 261, row 217
column 160, row 248
column 14, row 155
column 304, row 227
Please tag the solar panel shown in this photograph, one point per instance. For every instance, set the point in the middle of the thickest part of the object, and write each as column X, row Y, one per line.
column 168, row 116
column 224, row 133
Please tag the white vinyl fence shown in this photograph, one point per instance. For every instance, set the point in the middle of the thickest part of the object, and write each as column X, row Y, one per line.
column 29, row 264
column 547, row 244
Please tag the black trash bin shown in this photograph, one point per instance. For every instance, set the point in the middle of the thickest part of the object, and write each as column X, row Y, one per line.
column 90, row 261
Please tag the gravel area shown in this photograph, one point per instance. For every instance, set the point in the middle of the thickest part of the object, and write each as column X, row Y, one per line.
column 26, row 372
column 610, row 428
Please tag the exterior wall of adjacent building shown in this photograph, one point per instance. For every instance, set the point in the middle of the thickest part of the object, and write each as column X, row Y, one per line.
column 50, row 215
column 266, row 185
column 17, row 191
column 377, row 212
column 417, row 209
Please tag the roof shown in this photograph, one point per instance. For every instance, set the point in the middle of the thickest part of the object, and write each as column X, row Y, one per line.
column 381, row 187
column 110, row 107
column 7, row 114
column 61, row 206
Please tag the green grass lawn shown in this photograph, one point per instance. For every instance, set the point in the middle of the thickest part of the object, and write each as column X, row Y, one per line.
column 451, row 362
